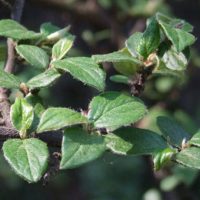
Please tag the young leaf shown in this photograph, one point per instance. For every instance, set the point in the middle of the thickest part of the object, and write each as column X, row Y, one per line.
column 172, row 131
column 80, row 147
column 28, row 158
column 112, row 110
column 150, row 39
column 174, row 60
column 61, row 48
column 134, row 141
column 47, row 28
column 83, row 69
column 195, row 140
column 189, row 157
column 22, row 116
column 12, row 29
column 44, row 79
column 58, row 118
column 179, row 38
column 133, row 42
column 8, row 80
column 34, row 55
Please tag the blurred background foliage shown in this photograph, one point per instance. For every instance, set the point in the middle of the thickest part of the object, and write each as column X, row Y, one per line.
column 101, row 26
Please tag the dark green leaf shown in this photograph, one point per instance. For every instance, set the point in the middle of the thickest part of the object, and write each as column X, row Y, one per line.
column 3, row 55
column 112, row 110
column 28, row 158
column 134, row 141
column 172, row 131
column 8, row 80
column 83, row 69
column 80, row 147
column 12, row 29
column 120, row 79
column 22, row 116
column 150, row 39
column 35, row 56
column 58, row 118
column 44, row 79
column 189, row 157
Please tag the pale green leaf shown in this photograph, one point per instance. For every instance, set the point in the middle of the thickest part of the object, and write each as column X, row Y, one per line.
column 61, row 48
column 12, row 29
column 112, row 110
column 58, row 118
column 8, row 80
column 80, row 147
column 22, row 116
column 28, row 158
column 189, row 157
column 44, row 79
column 195, row 140
column 34, row 55
column 83, row 69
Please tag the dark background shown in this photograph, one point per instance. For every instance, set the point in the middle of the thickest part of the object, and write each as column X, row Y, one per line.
column 102, row 27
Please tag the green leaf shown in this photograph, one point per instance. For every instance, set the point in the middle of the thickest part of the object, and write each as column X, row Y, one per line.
column 179, row 38
column 172, row 131
column 150, row 39
column 116, row 57
column 112, row 110
column 189, row 157
column 61, row 48
column 120, row 79
column 162, row 157
column 35, row 56
column 28, row 158
column 83, row 69
column 58, row 118
column 44, row 79
column 174, row 60
column 12, row 29
column 8, row 80
column 134, row 141
column 133, row 42
column 22, row 116
column 47, row 28
column 80, row 147
column 195, row 140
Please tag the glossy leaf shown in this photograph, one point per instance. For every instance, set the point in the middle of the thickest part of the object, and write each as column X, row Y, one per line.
column 22, row 116
column 150, row 39
column 83, row 69
column 8, row 80
column 134, row 141
column 172, row 131
column 34, row 55
column 28, row 158
column 58, row 118
column 189, row 157
column 112, row 110
column 80, row 147
column 44, row 79
column 61, row 48
column 12, row 29
column 133, row 42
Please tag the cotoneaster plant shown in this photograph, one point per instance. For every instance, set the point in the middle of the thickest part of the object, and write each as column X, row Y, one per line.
column 29, row 128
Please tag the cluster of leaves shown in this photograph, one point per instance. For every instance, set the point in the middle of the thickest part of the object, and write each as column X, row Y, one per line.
column 107, row 124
